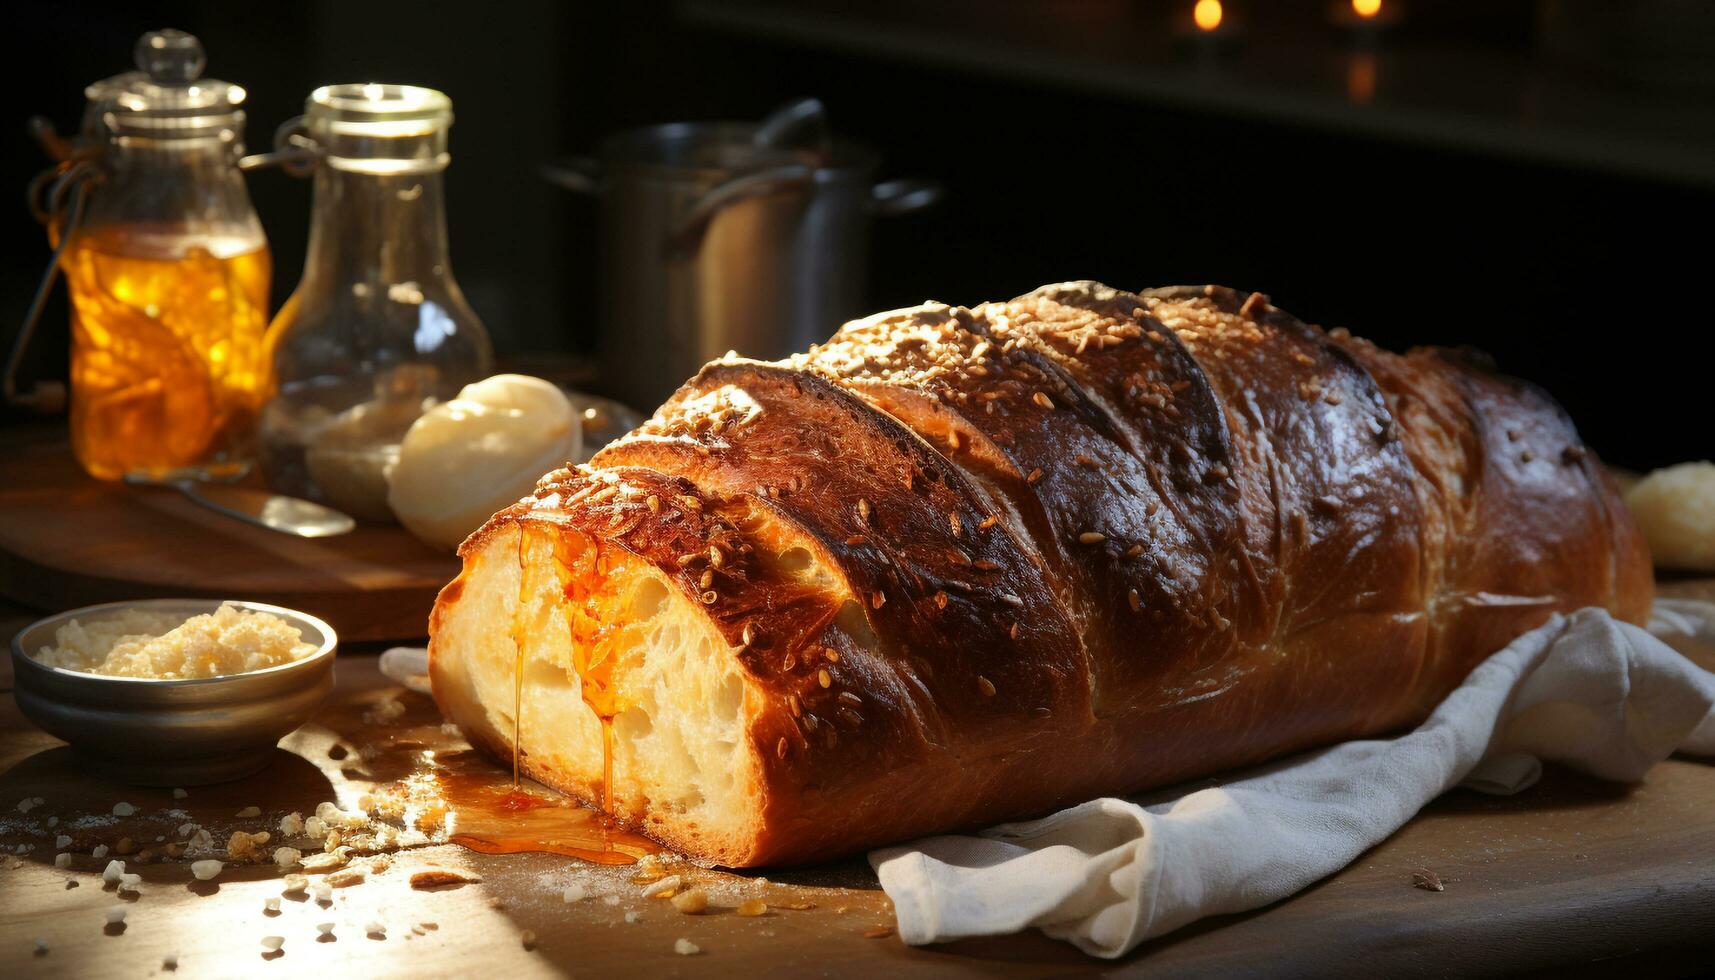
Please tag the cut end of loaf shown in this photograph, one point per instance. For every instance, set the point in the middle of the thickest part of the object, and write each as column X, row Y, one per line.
column 684, row 769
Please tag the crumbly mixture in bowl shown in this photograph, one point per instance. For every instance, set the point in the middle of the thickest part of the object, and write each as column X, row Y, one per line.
column 135, row 643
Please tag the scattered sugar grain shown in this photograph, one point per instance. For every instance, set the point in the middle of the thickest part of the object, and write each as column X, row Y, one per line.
column 286, row 857
column 610, row 899
column 271, row 903
column 573, row 893
column 375, row 927
column 41, row 946
column 179, row 794
column 110, row 874
column 247, row 847
column 100, row 851
column 249, row 811
column 694, row 901
column 170, row 961
column 116, row 915
column 292, row 825
column 350, row 876
column 272, row 943
column 206, row 869
column 684, row 947
column 325, row 928
column 130, row 883
column 123, row 809
column 324, row 861
column 62, row 860
column 29, row 803
column 633, row 916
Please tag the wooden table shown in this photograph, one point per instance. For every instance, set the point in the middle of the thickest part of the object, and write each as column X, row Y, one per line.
column 1574, row 876
column 69, row 540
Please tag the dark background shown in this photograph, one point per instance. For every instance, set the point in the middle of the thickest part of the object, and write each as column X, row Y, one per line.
column 1536, row 179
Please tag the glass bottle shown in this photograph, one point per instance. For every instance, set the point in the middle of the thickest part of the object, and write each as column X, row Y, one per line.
column 378, row 330
column 168, row 272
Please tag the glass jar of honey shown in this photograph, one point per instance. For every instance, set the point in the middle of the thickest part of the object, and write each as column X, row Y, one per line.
column 377, row 331
column 168, row 272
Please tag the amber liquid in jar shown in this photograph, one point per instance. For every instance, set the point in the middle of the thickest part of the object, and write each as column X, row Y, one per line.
column 168, row 363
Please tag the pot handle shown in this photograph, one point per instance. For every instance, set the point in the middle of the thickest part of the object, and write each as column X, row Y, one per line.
column 580, row 174
column 689, row 233
column 799, row 123
column 903, row 196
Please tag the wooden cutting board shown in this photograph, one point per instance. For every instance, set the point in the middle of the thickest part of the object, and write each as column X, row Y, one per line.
column 68, row 540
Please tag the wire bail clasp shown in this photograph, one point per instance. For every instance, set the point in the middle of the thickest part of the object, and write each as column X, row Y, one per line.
column 56, row 198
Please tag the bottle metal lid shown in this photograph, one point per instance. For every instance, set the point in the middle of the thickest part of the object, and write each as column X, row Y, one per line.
column 380, row 128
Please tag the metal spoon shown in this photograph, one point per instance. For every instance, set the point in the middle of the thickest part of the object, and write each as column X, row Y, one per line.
column 276, row 512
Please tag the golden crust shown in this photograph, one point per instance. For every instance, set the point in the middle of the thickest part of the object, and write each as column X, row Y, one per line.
column 1087, row 542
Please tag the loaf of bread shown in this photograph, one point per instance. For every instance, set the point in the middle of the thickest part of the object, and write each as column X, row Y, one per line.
column 958, row 566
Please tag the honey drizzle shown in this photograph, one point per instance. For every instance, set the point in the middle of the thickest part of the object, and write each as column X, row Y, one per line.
column 493, row 820
column 607, row 765
column 489, row 816
column 593, row 645
column 518, row 649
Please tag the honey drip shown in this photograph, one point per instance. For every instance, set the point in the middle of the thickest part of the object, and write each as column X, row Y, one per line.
column 518, row 651
column 490, row 815
column 596, row 639
column 169, row 364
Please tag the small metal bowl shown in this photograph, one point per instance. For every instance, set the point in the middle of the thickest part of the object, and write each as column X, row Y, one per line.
column 173, row 732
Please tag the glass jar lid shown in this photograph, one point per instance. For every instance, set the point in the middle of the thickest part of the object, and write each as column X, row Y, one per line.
column 167, row 97
column 380, row 128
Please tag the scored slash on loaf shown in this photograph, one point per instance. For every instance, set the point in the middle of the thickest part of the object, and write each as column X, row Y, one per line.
column 958, row 566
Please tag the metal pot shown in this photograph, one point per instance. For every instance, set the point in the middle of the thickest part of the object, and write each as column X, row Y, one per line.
column 728, row 236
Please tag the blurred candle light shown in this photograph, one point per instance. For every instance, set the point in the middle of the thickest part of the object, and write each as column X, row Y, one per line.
column 1207, row 14
column 1207, row 31
column 1365, row 20
column 1364, row 23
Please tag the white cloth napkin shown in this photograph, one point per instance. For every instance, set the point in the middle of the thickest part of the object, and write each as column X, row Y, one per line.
column 1583, row 690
